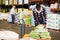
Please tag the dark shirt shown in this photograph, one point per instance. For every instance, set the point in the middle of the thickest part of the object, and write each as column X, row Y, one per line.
column 39, row 18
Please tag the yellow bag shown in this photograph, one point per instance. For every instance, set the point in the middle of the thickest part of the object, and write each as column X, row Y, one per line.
column 26, row 36
column 27, row 20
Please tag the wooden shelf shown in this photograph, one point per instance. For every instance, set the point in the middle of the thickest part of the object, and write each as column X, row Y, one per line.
column 16, row 4
column 36, row 0
column 51, row 1
column 22, row 4
column 39, row 0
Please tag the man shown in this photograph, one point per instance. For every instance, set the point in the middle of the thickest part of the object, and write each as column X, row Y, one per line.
column 12, row 12
column 39, row 15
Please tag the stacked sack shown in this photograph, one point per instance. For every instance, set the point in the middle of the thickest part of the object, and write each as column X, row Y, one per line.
column 8, row 35
column 10, row 2
column 26, row 1
column 15, row 1
column 53, row 21
column 54, row 6
column 34, row 34
column 47, row 9
column 3, row 16
column 20, row 1
column 40, row 32
column 6, row 2
column 17, row 18
column 9, row 19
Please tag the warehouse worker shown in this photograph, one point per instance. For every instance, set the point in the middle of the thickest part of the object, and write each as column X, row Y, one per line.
column 12, row 12
column 39, row 15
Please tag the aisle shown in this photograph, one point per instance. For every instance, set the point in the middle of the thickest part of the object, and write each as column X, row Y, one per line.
column 4, row 25
column 54, row 34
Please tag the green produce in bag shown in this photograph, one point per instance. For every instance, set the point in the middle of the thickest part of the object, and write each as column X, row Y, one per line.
column 27, row 21
column 44, row 35
column 34, row 34
column 35, row 37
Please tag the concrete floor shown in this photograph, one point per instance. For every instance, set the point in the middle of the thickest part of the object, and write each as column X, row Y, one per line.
column 8, row 26
column 4, row 25
column 54, row 34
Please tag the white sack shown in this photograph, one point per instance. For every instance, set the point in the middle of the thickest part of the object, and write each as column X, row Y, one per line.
column 8, row 35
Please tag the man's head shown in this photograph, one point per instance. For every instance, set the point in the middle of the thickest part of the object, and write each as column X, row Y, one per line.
column 14, row 7
column 38, row 6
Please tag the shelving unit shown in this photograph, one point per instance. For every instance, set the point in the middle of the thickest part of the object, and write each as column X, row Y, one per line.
column 57, row 10
column 45, row 2
column 9, row 6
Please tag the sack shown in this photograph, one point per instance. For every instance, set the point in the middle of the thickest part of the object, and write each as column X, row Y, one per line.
column 27, row 20
column 9, row 19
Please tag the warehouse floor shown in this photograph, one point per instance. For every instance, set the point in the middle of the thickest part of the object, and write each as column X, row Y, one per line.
column 8, row 26
column 4, row 25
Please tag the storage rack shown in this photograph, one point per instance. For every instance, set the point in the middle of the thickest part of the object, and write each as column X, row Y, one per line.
column 17, row 5
column 57, row 10
column 25, row 5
